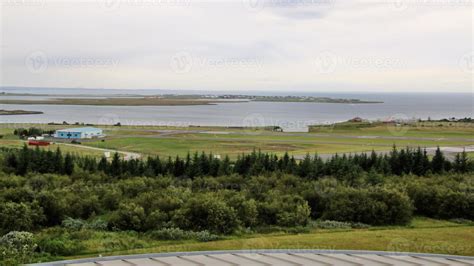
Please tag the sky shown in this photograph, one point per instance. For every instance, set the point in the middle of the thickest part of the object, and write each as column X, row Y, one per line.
column 239, row 45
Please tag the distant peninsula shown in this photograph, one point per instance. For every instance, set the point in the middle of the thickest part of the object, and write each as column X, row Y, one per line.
column 19, row 112
column 299, row 99
column 174, row 99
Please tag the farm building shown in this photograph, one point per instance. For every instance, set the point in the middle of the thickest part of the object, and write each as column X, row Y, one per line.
column 79, row 133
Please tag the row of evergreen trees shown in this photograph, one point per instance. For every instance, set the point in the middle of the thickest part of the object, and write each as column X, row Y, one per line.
column 397, row 162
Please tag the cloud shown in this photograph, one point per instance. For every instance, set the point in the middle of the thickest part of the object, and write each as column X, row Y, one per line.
column 280, row 45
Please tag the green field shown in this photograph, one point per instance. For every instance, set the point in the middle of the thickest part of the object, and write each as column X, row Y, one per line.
column 424, row 235
column 172, row 141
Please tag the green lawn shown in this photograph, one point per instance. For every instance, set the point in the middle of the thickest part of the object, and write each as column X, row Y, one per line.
column 233, row 141
column 425, row 129
column 423, row 235
column 234, row 144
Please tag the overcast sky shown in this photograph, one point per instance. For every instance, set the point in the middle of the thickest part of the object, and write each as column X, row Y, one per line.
column 274, row 45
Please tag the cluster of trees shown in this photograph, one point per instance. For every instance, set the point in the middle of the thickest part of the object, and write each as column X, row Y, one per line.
column 397, row 162
column 31, row 132
column 222, row 205
column 40, row 188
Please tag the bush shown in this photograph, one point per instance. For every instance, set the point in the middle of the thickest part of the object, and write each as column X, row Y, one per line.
column 205, row 236
column 442, row 202
column 374, row 207
column 73, row 224
column 170, row 234
column 79, row 224
column 208, row 212
column 97, row 224
column 59, row 242
column 331, row 225
column 129, row 216
column 16, row 247
column 284, row 210
column 20, row 216
column 338, row 225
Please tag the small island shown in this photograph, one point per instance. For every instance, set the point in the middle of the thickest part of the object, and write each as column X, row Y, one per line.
column 19, row 112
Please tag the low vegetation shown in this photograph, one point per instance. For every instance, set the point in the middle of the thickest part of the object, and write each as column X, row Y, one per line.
column 19, row 112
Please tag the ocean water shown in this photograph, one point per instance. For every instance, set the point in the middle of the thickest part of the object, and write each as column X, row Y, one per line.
column 290, row 116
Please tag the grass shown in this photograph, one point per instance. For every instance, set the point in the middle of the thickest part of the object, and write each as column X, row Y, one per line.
column 153, row 140
column 424, row 235
column 234, row 144
column 420, row 129
column 16, row 143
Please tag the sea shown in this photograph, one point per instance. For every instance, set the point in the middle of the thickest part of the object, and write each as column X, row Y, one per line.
column 292, row 117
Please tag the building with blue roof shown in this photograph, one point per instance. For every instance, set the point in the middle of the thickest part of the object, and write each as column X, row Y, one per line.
column 79, row 133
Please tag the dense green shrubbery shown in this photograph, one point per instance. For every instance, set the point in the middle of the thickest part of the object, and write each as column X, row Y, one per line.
column 60, row 242
column 79, row 224
column 220, row 198
column 179, row 234
column 16, row 248
column 369, row 206
column 327, row 224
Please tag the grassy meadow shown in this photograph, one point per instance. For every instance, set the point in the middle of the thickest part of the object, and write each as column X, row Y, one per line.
column 423, row 235
column 172, row 141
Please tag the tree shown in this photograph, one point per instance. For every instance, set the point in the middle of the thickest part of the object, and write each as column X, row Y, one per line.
column 68, row 164
column 438, row 162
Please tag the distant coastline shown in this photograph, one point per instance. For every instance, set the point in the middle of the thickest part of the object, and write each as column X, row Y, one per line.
column 19, row 112
column 170, row 99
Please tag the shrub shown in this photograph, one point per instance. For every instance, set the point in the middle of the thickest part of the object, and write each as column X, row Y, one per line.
column 170, row 234
column 97, row 224
column 79, row 224
column 208, row 212
column 327, row 224
column 16, row 247
column 287, row 210
column 59, row 242
column 442, row 202
column 129, row 216
column 205, row 236
column 73, row 224
column 19, row 216
column 375, row 207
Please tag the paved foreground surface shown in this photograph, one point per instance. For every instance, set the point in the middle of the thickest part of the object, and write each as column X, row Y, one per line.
column 274, row 257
